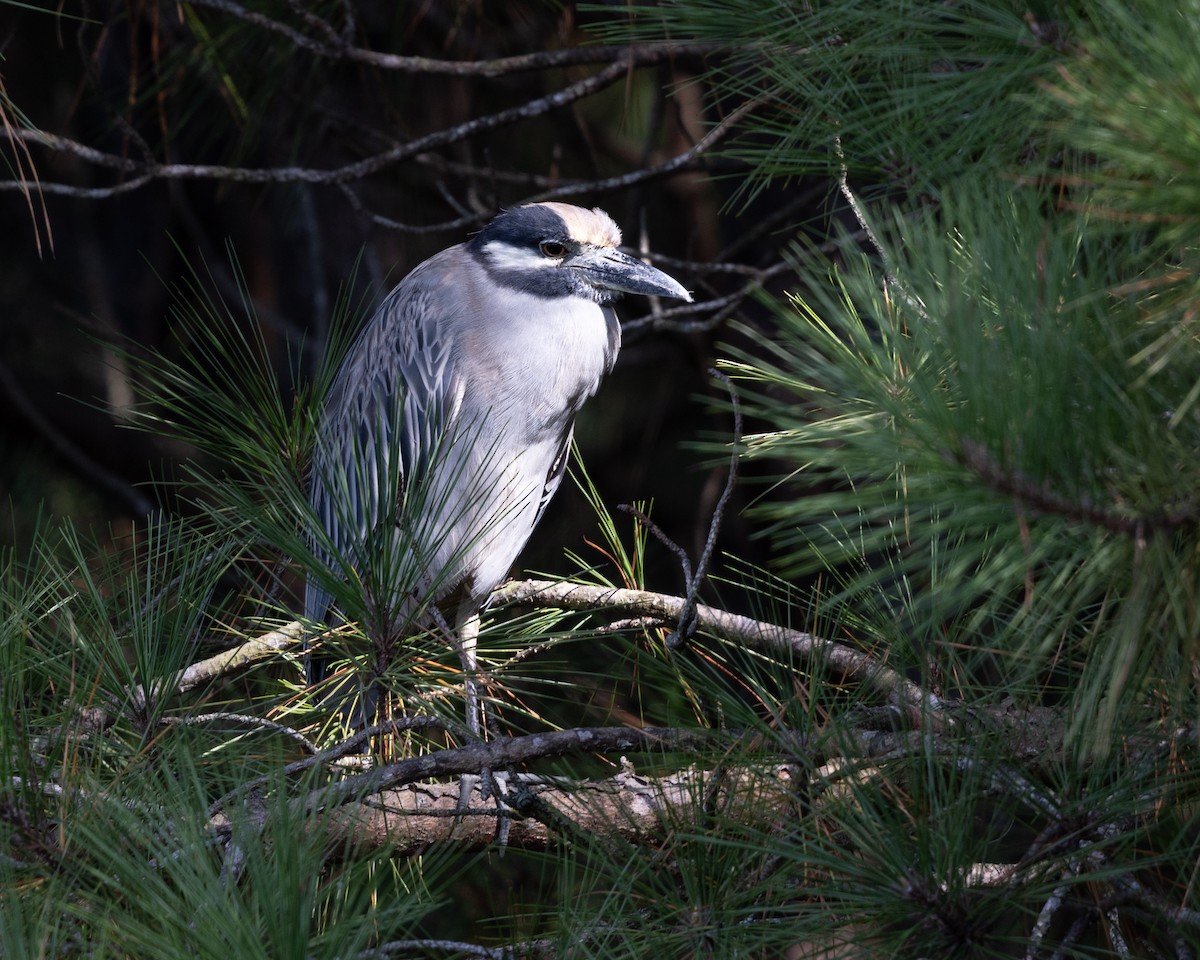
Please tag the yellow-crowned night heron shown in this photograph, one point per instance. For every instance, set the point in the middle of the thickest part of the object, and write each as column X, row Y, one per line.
column 449, row 423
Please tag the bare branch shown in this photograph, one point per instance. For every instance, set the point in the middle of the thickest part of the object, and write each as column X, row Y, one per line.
column 661, row 536
column 678, row 162
column 417, row 229
column 335, row 48
column 145, row 172
column 916, row 704
column 860, row 214
column 687, row 619
column 27, row 180
column 244, row 720
column 686, row 625
column 719, row 307
column 345, row 748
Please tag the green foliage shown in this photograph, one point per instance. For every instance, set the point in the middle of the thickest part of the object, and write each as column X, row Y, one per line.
column 1125, row 109
column 981, row 450
column 918, row 93
column 977, row 423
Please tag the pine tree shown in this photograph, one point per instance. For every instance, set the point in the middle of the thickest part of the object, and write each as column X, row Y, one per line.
column 957, row 715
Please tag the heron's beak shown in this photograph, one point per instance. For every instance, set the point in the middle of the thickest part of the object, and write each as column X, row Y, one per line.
column 610, row 269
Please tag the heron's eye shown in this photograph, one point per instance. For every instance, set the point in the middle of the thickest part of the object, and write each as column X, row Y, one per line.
column 553, row 249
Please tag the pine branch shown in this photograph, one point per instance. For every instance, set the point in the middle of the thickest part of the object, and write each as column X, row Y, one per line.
column 1042, row 498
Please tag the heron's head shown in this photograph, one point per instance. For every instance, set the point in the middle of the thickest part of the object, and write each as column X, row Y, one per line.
column 556, row 250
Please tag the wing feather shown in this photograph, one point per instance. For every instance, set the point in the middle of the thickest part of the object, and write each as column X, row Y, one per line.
column 394, row 398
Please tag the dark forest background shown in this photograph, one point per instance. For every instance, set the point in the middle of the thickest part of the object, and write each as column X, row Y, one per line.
column 95, row 259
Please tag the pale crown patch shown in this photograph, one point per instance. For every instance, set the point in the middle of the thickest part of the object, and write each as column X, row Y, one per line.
column 593, row 226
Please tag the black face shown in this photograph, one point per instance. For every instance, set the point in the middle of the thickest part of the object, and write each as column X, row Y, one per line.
column 531, row 249
column 523, row 226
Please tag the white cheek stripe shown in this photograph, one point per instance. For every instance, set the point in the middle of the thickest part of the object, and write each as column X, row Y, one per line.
column 504, row 256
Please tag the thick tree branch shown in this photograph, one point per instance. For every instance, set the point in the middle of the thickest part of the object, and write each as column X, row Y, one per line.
column 632, row 807
column 504, row 753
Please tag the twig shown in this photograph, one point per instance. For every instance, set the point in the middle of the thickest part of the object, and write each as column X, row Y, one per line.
column 1115, row 936
column 1046, row 916
column 26, row 176
column 578, row 188
column 641, row 175
column 685, row 562
column 889, row 278
column 790, row 213
column 346, row 747
column 859, row 213
column 260, row 723
column 687, row 618
column 686, row 624
column 722, row 307
column 1074, row 935
column 416, row 229
column 1133, row 891
column 336, row 48
column 719, row 307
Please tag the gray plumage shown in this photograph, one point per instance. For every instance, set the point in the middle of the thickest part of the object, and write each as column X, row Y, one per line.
column 448, row 426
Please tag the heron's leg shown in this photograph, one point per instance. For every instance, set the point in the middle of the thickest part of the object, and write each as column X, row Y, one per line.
column 492, row 784
column 468, row 639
